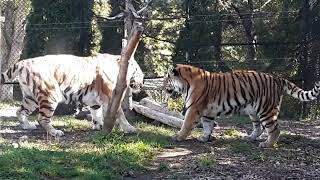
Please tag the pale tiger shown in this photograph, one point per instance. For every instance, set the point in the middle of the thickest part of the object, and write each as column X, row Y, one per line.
column 48, row 80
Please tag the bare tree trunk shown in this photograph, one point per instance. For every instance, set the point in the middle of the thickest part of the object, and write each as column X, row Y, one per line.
column 247, row 22
column 13, row 33
column 128, row 21
column 122, row 82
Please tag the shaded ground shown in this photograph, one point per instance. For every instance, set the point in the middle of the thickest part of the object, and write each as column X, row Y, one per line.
column 297, row 155
column 228, row 156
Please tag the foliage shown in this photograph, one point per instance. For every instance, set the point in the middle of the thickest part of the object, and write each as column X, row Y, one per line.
column 60, row 27
column 176, row 104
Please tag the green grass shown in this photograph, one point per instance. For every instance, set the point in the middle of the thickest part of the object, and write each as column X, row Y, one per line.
column 99, row 157
column 206, row 161
column 9, row 103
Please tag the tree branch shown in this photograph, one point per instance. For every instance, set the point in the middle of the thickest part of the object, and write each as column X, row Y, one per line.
column 122, row 81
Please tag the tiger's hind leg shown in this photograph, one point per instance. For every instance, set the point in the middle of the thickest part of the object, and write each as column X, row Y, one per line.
column 208, row 125
column 257, row 129
column 27, row 107
column 270, row 123
column 97, row 117
column 46, row 110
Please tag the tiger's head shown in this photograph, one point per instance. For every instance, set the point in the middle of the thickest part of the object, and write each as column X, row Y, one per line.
column 175, row 82
column 135, row 75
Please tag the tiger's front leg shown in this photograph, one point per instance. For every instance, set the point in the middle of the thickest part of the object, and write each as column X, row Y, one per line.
column 191, row 119
column 46, row 110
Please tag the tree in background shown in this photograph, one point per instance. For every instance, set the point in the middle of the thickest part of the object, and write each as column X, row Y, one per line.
column 57, row 27
column 13, row 33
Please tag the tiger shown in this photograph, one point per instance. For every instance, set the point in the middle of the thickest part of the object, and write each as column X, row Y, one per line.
column 48, row 80
column 209, row 95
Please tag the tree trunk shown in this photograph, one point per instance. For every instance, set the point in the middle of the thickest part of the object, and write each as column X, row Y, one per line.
column 247, row 22
column 122, row 81
column 158, row 116
column 13, row 33
column 153, row 105
column 128, row 21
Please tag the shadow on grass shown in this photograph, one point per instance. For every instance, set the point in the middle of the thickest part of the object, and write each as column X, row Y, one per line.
column 112, row 156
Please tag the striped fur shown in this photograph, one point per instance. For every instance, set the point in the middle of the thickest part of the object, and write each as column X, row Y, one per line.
column 208, row 95
column 48, row 80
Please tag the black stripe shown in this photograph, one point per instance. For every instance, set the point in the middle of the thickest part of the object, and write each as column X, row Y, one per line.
column 44, row 115
column 2, row 78
column 9, row 73
column 258, row 84
column 86, row 92
column 308, row 98
column 80, row 98
column 211, row 118
column 31, row 99
column 67, row 89
column 299, row 94
column 228, row 112
column 95, row 107
column 269, row 124
column 267, row 117
column 48, row 107
column 28, row 78
column 275, row 128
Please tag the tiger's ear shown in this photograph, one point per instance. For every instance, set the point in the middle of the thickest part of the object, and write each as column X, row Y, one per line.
column 172, row 71
column 175, row 72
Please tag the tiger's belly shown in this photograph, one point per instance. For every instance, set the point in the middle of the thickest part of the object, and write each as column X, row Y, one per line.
column 213, row 110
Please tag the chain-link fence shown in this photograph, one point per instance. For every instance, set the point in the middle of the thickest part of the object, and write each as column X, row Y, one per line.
column 12, row 34
column 80, row 33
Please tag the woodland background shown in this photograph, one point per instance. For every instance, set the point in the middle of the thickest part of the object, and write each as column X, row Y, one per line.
column 275, row 36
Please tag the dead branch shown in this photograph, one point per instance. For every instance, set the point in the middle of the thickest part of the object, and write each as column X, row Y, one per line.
column 122, row 81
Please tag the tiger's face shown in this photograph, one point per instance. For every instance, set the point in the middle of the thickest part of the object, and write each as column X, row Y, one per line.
column 174, row 83
column 136, row 80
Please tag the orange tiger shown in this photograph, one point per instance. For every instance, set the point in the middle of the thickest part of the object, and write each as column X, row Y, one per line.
column 208, row 95
column 48, row 80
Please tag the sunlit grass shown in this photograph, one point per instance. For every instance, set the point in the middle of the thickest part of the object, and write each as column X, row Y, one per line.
column 9, row 103
column 99, row 157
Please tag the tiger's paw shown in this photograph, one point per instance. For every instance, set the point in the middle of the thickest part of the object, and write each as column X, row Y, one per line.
column 177, row 138
column 56, row 133
column 265, row 145
column 28, row 126
column 130, row 130
column 204, row 138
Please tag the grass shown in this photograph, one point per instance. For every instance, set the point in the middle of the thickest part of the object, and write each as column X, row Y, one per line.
column 206, row 161
column 9, row 103
column 100, row 156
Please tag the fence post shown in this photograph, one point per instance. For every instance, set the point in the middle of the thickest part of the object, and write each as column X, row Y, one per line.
column 2, row 19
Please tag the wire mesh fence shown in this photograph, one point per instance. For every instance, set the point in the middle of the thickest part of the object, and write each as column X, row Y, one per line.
column 76, row 36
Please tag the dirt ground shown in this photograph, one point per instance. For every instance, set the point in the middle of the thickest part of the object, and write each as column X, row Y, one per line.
column 296, row 156
column 229, row 155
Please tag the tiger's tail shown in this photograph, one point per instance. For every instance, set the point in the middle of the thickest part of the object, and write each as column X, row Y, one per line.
column 301, row 94
column 10, row 73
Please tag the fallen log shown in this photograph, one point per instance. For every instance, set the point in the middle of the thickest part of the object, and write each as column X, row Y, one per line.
column 155, row 106
column 158, row 116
